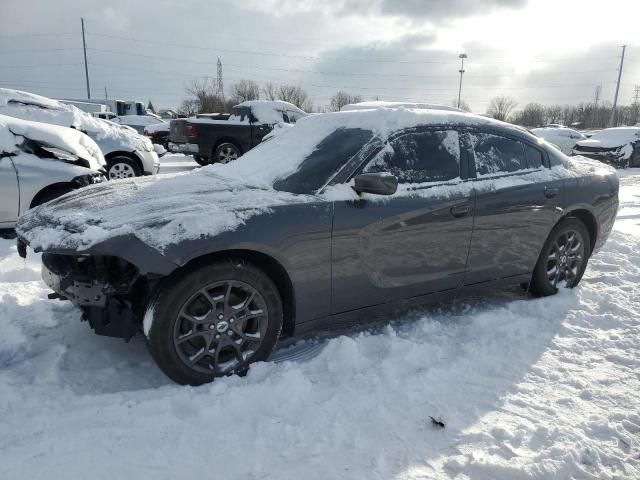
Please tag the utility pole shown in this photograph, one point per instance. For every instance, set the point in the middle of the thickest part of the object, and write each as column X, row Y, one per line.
column 86, row 68
column 106, row 97
column 462, row 56
column 635, row 103
column 596, row 97
column 219, row 88
column 614, row 113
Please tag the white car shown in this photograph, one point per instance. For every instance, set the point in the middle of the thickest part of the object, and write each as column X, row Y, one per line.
column 127, row 153
column 40, row 162
column 562, row 137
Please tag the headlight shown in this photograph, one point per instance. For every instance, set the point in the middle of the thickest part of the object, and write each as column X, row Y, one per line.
column 90, row 179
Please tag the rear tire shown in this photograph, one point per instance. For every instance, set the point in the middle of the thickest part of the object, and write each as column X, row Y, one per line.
column 563, row 258
column 200, row 160
column 226, row 152
column 214, row 321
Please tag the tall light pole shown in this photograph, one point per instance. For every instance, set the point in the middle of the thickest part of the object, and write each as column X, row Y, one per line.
column 462, row 56
column 86, row 68
column 614, row 113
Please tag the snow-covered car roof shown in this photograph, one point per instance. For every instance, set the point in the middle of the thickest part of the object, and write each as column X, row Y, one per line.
column 13, row 132
column 157, row 127
column 383, row 104
column 29, row 106
column 139, row 120
column 266, row 163
column 612, row 137
column 270, row 111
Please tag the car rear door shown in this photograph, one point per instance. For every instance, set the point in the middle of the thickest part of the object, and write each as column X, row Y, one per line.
column 411, row 243
column 518, row 200
column 9, row 193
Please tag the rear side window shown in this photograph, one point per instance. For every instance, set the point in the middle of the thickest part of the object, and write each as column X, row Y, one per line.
column 495, row 154
column 534, row 157
column 420, row 157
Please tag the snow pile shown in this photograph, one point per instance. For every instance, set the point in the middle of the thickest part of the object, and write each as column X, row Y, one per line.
column 13, row 131
column 383, row 104
column 28, row 106
column 527, row 389
column 159, row 210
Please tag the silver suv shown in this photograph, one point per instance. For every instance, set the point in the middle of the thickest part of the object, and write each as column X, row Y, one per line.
column 39, row 162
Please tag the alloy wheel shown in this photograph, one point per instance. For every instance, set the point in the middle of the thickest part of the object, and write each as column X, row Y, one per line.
column 121, row 170
column 227, row 154
column 565, row 259
column 220, row 327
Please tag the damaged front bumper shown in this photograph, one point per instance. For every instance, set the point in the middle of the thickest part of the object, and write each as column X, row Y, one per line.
column 106, row 289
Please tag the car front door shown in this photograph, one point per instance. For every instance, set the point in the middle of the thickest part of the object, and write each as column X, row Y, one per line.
column 518, row 200
column 413, row 242
column 9, row 193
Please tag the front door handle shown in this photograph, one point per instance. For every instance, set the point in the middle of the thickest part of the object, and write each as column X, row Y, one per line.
column 460, row 210
column 551, row 192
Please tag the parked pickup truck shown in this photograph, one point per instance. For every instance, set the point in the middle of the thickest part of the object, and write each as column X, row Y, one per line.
column 210, row 138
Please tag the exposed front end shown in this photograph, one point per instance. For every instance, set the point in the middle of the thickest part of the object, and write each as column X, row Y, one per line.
column 109, row 290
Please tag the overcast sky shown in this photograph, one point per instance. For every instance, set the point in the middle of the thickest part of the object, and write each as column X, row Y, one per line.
column 549, row 51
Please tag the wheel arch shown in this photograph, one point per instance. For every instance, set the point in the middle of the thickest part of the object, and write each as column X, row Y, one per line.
column 42, row 193
column 588, row 219
column 269, row 265
column 222, row 140
column 121, row 153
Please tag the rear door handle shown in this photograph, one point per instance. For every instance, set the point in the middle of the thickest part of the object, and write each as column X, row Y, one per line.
column 551, row 192
column 460, row 210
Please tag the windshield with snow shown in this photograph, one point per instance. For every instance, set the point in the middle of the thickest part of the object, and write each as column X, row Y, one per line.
column 325, row 161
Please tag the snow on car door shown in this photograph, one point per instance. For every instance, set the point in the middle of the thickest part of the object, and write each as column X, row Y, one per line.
column 411, row 243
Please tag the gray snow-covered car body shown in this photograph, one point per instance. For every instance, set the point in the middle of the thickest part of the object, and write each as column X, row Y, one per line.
column 40, row 162
column 342, row 216
column 127, row 153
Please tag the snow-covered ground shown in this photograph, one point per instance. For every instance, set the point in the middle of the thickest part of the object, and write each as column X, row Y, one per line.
column 527, row 388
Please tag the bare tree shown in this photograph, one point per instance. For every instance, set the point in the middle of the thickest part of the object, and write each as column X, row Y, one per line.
column 292, row 94
column 270, row 91
column 342, row 98
column 245, row 90
column 532, row 115
column 463, row 105
column 500, row 107
column 188, row 107
column 204, row 93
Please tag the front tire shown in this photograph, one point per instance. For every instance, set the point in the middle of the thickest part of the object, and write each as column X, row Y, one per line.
column 563, row 258
column 214, row 321
column 200, row 160
column 122, row 167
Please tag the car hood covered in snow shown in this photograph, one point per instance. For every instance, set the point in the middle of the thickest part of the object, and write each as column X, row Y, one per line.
column 29, row 106
column 14, row 131
column 612, row 138
column 159, row 210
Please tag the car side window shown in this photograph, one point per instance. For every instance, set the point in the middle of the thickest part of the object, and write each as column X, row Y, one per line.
column 285, row 117
column 535, row 159
column 420, row 157
column 495, row 154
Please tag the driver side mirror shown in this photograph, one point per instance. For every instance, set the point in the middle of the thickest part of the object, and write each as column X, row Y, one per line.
column 382, row 183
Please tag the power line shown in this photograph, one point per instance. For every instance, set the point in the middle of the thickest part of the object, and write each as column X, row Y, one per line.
column 316, row 57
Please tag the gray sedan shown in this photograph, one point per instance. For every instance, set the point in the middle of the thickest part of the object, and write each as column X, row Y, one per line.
column 343, row 215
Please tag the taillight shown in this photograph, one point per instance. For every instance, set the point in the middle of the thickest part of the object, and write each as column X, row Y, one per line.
column 191, row 132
